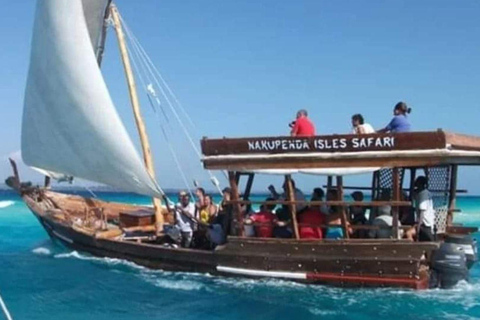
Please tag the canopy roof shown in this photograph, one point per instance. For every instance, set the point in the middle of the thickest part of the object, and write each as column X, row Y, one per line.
column 278, row 154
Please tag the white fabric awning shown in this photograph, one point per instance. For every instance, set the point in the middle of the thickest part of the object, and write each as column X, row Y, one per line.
column 320, row 172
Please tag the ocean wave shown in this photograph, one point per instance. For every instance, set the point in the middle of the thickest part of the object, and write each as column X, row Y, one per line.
column 42, row 251
column 6, row 203
column 173, row 283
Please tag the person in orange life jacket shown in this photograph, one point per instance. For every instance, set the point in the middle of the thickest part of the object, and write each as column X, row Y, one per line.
column 312, row 219
column 264, row 220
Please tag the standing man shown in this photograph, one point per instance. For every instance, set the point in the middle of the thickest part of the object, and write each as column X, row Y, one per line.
column 184, row 217
column 303, row 126
column 425, row 212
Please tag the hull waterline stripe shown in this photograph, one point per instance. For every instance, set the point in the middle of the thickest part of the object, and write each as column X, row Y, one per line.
column 62, row 237
column 263, row 273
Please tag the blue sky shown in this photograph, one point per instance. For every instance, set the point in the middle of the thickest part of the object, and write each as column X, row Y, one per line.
column 243, row 68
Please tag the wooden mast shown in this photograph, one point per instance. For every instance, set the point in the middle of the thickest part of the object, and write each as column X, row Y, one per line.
column 147, row 154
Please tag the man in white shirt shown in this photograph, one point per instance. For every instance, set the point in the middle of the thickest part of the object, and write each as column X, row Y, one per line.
column 184, row 218
column 425, row 212
column 359, row 126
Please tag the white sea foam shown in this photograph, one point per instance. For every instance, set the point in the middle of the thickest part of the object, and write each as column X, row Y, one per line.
column 42, row 251
column 321, row 312
column 174, row 284
column 109, row 261
column 6, row 203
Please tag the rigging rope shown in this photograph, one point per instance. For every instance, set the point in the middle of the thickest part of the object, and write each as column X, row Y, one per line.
column 151, row 94
column 4, row 309
column 153, row 73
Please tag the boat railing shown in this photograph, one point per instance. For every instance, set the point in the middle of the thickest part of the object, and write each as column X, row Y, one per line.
column 327, row 203
column 346, row 226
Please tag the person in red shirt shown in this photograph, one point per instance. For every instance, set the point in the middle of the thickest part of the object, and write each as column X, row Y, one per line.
column 302, row 127
column 311, row 222
column 264, row 221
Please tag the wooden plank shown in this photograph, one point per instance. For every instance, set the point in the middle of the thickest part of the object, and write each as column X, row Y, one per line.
column 237, row 207
column 403, row 189
column 396, row 197
column 452, row 194
column 248, row 190
column 319, row 263
column 343, row 215
column 327, row 143
column 462, row 141
column 461, row 230
column 293, row 208
column 333, row 248
column 328, row 203
column 247, row 164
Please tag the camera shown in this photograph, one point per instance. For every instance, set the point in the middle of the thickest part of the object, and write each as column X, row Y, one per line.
column 292, row 124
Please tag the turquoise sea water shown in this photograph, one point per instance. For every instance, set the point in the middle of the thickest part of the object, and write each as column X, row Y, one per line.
column 41, row 280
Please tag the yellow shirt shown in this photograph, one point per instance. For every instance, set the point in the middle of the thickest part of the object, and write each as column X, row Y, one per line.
column 204, row 215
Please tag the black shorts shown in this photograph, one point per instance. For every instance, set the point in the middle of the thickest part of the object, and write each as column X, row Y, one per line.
column 425, row 234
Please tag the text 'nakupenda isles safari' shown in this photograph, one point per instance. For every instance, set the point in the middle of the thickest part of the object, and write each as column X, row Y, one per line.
column 321, row 144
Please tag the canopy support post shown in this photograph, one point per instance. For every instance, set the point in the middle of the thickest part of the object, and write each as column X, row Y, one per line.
column 248, row 190
column 452, row 199
column 147, row 154
column 396, row 197
column 329, row 183
column 343, row 214
column 293, row 207
column 237, row 209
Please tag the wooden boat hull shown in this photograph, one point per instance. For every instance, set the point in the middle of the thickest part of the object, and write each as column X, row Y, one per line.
column 367, row 263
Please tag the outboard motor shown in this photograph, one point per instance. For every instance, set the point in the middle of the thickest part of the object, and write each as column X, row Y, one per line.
column 449, row 265
column 468, row 244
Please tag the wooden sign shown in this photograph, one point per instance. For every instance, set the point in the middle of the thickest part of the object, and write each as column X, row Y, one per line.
column 332, row 143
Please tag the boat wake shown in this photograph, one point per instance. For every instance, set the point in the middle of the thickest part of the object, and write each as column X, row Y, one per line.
column 42, row 251
column 108, row 261
column 463, row 295
column 6, row 203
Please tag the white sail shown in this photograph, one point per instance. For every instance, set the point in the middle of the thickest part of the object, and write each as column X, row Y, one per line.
column 94, row 13
column 70, row 124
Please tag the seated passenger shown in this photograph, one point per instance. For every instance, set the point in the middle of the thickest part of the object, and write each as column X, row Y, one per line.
column 384, row 221
column 400, row 122
column 359, row 125
column 200, row 203
column 208, row 211
column 311, row 222
column 223, row 216
column 264, row 220
column 425, row 212
column 334, row 217
column 302, row 126
column 406, row 213
column 357, row 215
column 318, row 195
column 299, row 196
